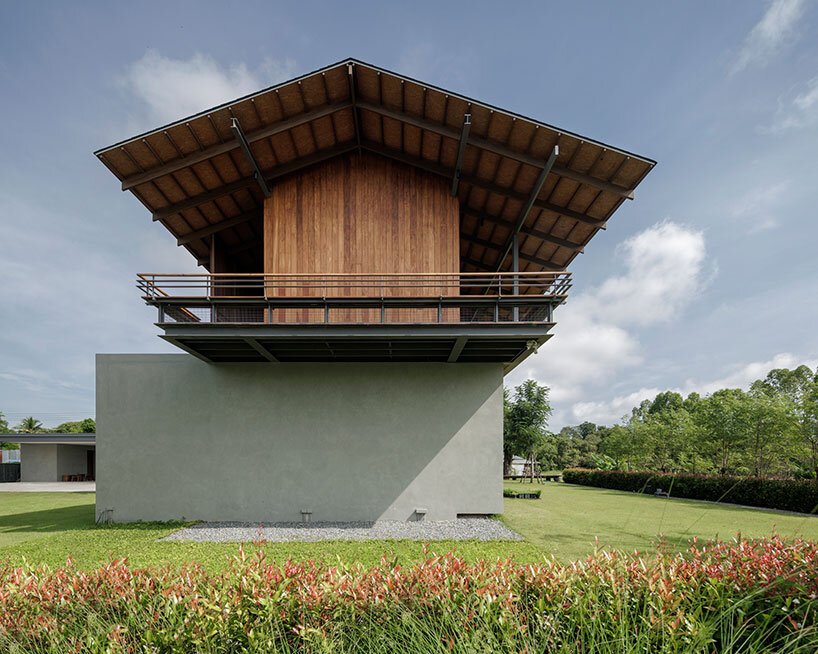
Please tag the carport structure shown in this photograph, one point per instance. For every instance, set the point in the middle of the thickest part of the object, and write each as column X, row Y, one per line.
column 55, row 457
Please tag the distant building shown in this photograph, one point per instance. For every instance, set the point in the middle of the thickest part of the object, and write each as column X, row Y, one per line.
column 378, row 253
column 54, row 457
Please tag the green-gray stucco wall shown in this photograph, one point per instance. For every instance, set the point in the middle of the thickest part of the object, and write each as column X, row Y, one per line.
column 178, row 438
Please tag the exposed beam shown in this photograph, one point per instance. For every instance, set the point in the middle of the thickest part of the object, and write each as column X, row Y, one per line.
column 457, row 348
column 356, row 118
column 207, row 196
column 221, row 148
column 497, row 148
column 235, row 126
column 528, row 231
column 274, row 173
column 529, row 204
column 477, row 264
column 263, row 351
column 214, row 229
column 599, row 223
column 186, row 348
column 525, row 257
column 461, row 150
column 309, row 160
column 443, row 171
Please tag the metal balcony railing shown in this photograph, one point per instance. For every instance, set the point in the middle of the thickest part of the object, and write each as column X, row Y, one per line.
column 399, row 298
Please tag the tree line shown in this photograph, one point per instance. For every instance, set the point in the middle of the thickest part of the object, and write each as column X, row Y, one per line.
column 770, row 430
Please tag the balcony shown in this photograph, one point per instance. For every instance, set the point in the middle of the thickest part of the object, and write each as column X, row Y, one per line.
column 458, row 317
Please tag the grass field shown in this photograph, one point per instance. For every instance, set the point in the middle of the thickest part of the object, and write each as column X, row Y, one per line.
column 567, row 522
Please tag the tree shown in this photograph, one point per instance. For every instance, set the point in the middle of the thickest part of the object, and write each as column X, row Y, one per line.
column 791, row 383
column 525, row 419
column 30, row 425
column 4, row 424
column 771, row 420
column 808, row 423
column 87, row 426
column 720, row 419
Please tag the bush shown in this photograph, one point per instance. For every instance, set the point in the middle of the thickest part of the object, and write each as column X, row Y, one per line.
column 745, row 596
column 509, row 492
column 785, row 494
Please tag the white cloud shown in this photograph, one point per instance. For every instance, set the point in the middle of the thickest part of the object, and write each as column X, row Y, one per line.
column 609, row 411
column 797, row 109
column 664, row 271
column 775, row 30
column 169, row 89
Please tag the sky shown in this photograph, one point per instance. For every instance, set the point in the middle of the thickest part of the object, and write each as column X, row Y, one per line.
column 706, row 280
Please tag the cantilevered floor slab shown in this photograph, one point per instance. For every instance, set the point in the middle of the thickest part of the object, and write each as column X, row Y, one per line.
column 508, row 344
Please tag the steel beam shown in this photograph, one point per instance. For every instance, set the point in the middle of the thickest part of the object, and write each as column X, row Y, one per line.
column 221, row 148
column 526, row 209
column 443, row 171
column 207, row 196
column 186, row 348
column 457, row 348
column 275, row 173
column 356, row 118
column 263, row 351
column 497, row 148
column 528, row 231
column 461, row 150
column 214, row 229
column 235, row 126
column 599, row 223
column 319, row 331
column 522, row 255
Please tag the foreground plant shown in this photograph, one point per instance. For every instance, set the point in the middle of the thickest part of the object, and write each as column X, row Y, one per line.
column 741, row 596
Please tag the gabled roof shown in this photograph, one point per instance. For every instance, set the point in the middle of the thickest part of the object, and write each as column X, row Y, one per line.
column 197, row 177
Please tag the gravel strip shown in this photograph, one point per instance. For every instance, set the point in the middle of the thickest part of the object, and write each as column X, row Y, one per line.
column 310, row 532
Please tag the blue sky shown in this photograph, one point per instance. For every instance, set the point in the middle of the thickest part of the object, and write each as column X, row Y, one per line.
column 707, row 279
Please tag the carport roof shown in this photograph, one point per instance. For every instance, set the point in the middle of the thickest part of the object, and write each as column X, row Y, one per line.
column 58, row 439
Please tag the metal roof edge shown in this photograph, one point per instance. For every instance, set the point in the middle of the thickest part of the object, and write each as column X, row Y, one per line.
column 359, row 62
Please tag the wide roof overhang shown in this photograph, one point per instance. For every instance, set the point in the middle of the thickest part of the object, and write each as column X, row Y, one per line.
column 208, row 174
column 50, row 439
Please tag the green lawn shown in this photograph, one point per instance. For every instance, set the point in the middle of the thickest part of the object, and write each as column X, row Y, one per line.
column 568, row 521
column 565, row 522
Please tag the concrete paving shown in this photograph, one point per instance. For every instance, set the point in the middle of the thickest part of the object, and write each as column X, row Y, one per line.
column 49, row 487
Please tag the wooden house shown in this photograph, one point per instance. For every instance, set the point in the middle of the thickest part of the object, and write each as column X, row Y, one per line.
column 377, row 253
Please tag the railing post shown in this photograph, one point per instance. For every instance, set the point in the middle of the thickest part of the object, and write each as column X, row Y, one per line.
column 326, row 310
column 383, row 311
column 497, row 311
column 440, row 310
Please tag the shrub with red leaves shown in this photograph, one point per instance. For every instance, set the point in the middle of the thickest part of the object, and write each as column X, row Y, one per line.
column 736, row 596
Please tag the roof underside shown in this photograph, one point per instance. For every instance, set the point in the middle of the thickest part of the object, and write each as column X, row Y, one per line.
column 194, row 176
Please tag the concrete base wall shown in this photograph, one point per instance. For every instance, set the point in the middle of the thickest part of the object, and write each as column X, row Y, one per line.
column 179, row 438
column 50, row 461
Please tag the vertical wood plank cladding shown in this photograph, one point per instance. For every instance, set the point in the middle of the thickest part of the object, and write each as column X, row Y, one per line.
column 361, row 214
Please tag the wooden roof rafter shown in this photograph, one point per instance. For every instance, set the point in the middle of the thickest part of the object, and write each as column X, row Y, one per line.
column 193, row 177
